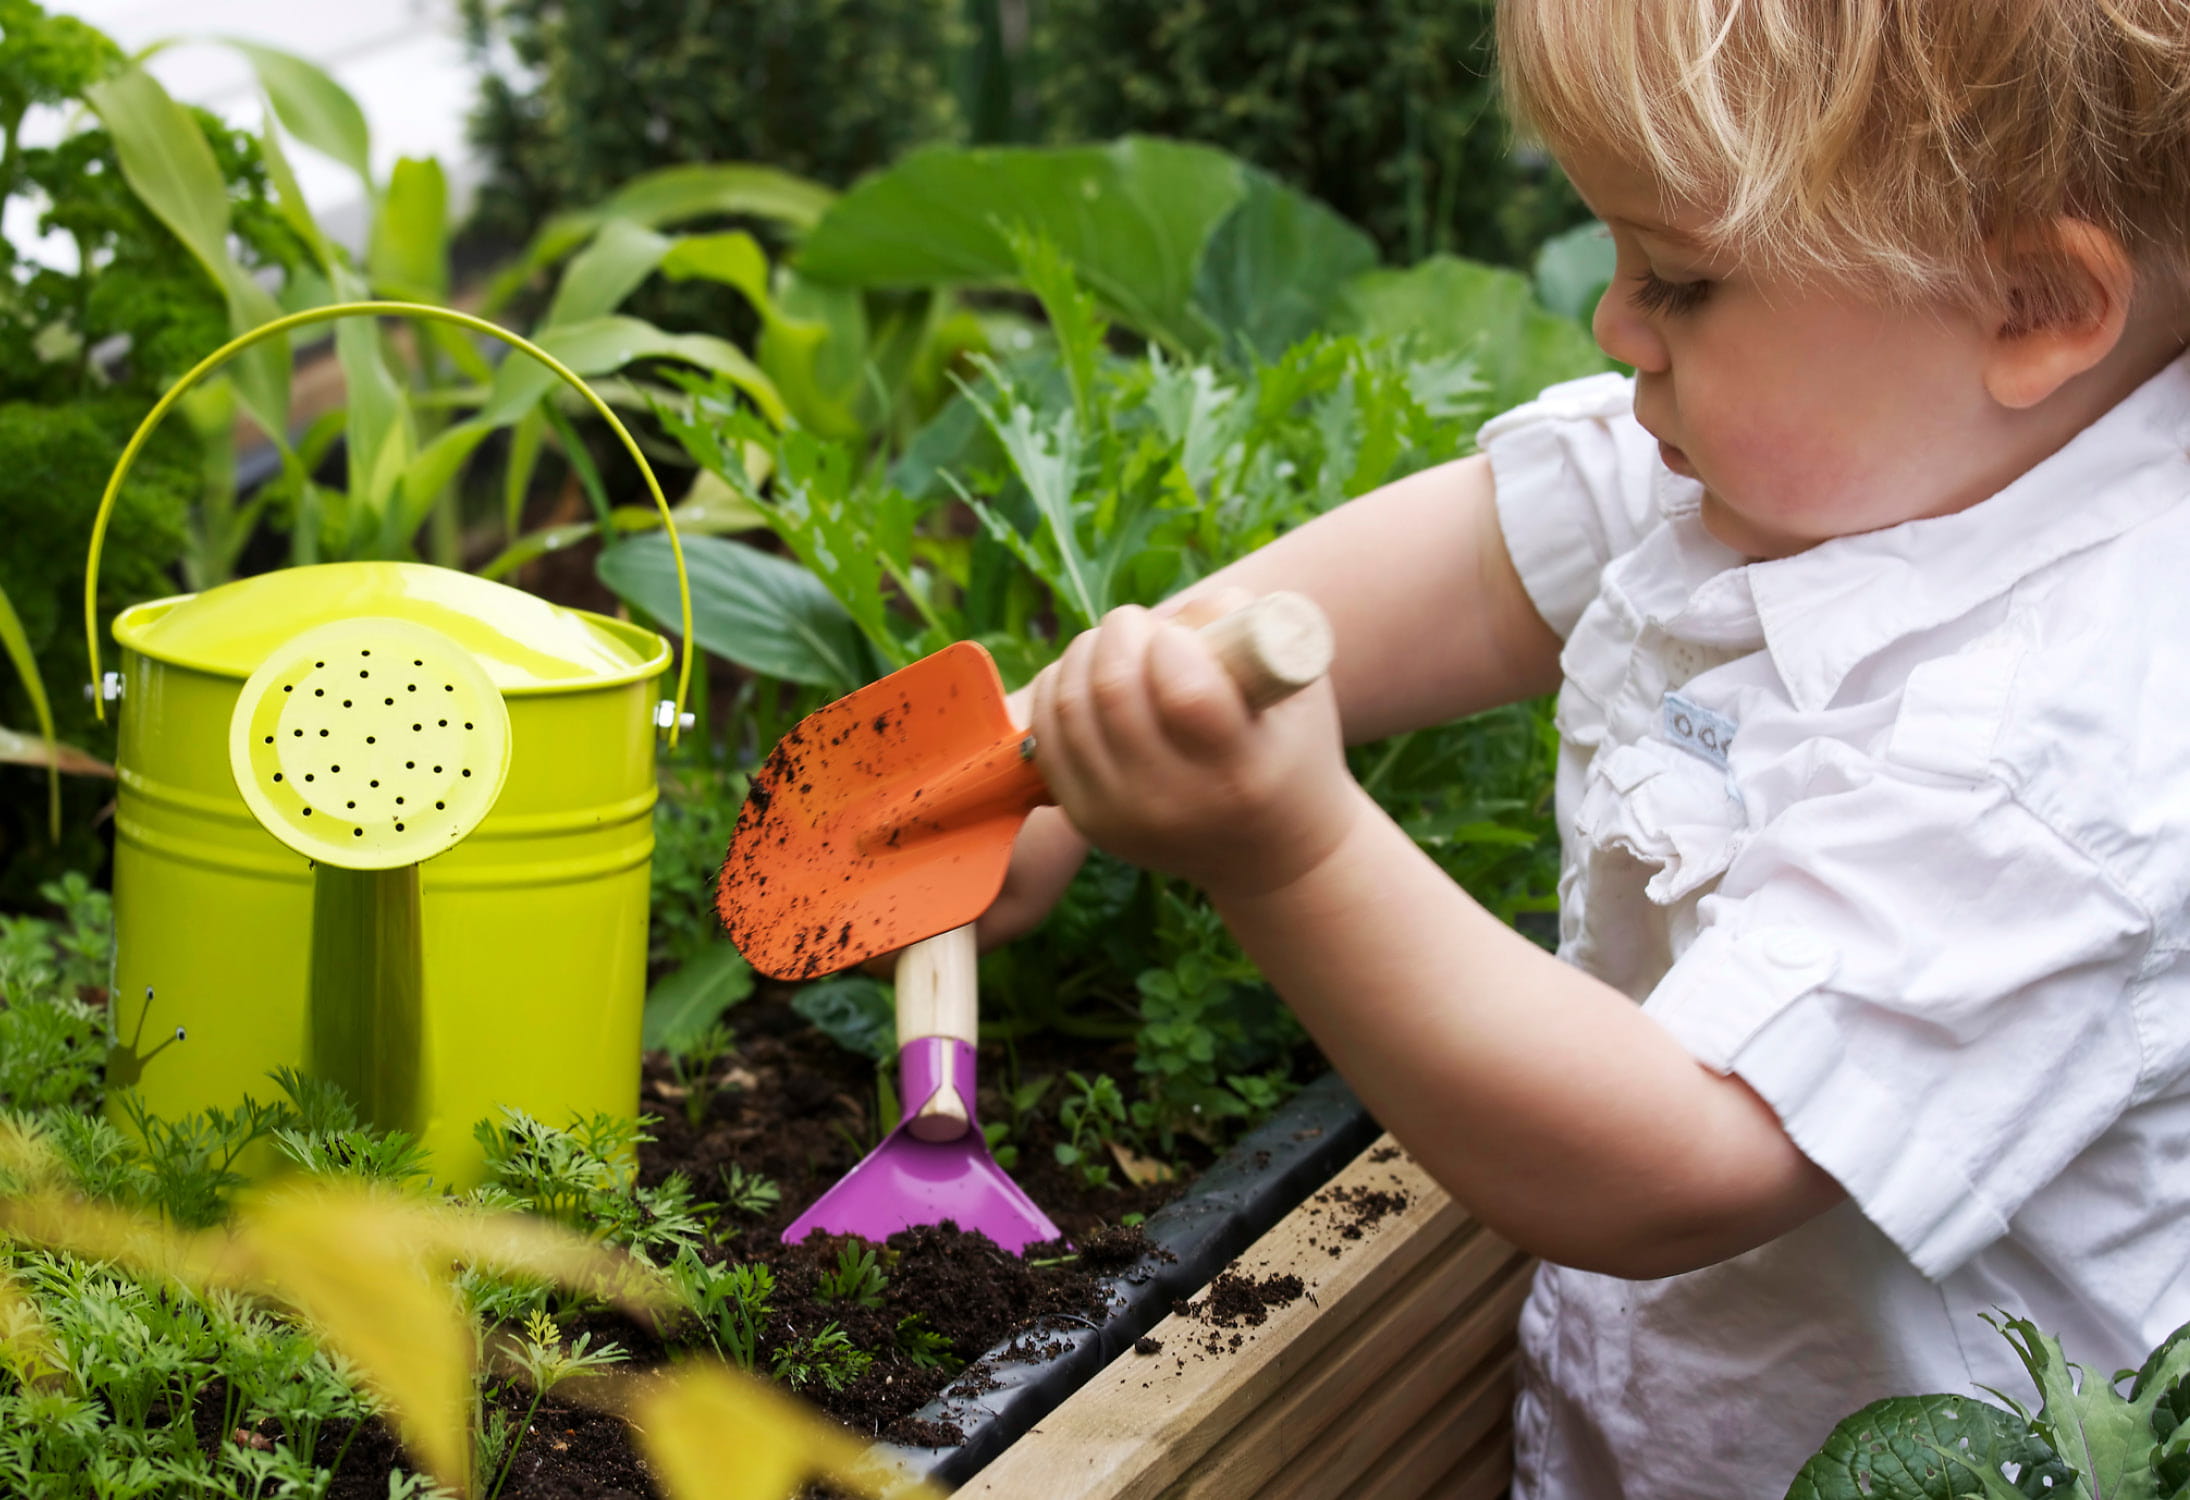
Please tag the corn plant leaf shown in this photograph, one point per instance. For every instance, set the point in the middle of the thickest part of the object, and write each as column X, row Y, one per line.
column 295, row 211
column 1272, row 268
column 170, row 166
column 17, row 749
column 1933, row 1448
column 16, row 643
column 816, row 349
column 672, row 195
column 681, row 1007
column 767, row 614
column 312, row 107
column 409, row 253
column 1133, row 216
column 600, row 346
column 613, row 265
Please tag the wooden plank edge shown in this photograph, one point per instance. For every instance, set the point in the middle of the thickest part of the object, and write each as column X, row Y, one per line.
column 1141, row 1422
column 1450, row 1315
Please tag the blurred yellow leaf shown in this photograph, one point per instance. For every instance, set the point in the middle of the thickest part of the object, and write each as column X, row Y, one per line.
column 713, row 1433
column 26, row 1348
column 353, row 1265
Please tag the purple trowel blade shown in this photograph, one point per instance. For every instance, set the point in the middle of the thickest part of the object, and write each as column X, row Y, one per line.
column 907, row 1181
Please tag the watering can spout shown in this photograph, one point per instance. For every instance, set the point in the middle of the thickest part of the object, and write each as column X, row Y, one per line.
column 369, row 745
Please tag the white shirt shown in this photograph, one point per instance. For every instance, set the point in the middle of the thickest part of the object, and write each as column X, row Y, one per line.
column 1897, row 830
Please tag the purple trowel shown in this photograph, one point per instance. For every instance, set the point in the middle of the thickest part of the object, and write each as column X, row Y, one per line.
column 935, row 1165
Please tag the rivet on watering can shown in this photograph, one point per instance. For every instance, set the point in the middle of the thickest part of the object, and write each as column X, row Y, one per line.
column 665, row 714
column 108, row 687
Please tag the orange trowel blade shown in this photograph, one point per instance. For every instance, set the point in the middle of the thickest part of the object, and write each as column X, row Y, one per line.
column 885, row 818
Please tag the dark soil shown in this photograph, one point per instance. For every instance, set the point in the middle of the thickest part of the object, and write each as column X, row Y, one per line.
column 792, row 1106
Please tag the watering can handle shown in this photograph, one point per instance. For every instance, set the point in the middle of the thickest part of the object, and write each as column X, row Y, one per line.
column 282, row 325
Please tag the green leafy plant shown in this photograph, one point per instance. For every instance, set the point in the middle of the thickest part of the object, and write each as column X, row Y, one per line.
column 926, row 1347
column 694, row 1064
column 581, row 1177
column 1022, row 1101
column 541, row 1361
column 748, row 1192
column 1094, row 1114
column 2088, row 1439
column 857, row 1278
column 730, row 1300
column 828, row 1358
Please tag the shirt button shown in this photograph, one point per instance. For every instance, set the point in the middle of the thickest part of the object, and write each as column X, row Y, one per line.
column 1795, row 950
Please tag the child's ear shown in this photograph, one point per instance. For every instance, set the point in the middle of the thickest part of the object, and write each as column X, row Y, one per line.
column 2061, row 312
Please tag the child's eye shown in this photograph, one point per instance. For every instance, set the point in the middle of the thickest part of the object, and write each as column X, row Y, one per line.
column 1654, row 294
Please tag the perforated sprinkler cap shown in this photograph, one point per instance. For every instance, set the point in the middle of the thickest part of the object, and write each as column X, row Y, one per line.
column 370, row 743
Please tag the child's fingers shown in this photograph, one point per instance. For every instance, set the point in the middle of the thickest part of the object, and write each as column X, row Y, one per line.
column 1199, row 706
column 1068, row 738
column 1117, row 685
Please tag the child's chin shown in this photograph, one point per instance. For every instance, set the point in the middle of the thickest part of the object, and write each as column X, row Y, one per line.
column 1751, row 538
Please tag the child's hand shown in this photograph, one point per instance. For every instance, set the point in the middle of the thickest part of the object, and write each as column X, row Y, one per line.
column 1152, row 751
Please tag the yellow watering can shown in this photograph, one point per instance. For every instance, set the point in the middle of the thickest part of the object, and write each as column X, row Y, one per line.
column 385, row 823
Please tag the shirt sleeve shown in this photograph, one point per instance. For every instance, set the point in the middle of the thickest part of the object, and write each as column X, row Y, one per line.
column 1942, row 1027
column 1576, row 477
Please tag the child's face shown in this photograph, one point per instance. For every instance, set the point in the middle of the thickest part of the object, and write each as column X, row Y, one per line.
column 1806, row 411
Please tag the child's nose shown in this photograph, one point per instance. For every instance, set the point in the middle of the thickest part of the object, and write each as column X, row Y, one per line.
column 1626, row 333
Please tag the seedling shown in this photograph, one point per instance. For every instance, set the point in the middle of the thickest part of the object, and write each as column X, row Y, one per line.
column 545, row 1363
column 1094, row 1111
column 731, row 1302
column 693, row 1065
column 828, row 1357
column 925, row 1347
column 748, row 1192
column 857, row 1278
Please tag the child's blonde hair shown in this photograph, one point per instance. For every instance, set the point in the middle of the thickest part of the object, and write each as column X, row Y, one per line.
column 1900, row 143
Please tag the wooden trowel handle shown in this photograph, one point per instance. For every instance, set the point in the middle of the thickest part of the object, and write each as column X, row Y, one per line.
column 937, row 995
column 1273, row 647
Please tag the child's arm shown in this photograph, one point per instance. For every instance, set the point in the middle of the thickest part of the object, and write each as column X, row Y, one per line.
column 1423, row 549
column 1544, row 1099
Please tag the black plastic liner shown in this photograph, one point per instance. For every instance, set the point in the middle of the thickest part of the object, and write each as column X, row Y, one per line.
column 1262, row 1179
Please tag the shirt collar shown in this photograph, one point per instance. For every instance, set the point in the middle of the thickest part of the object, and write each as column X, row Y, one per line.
column 1824, row 611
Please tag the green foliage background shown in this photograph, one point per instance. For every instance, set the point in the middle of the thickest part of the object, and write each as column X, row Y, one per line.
column 822, row 88
column 1384, row 109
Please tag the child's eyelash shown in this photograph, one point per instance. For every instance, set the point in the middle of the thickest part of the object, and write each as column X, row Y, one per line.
column 1654, row 294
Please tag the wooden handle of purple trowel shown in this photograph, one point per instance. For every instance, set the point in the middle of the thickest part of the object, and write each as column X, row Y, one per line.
column 938, row 995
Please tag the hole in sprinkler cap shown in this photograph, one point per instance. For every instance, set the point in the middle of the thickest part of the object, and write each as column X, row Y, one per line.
column 371, row 739
column 277, row 776
column 319, row 692
column 307, row 812
column 388, row 701
column 288, row 687
column 444, row 723
column 357, row 833
column 269, row 739
column 319, row 664
column 364, row 653
column 416, row 727
column 410, row 765
column 399, row 802
column 323, row 734
column 399, row 828
column 467, row 773
column 307, row 775
column 334, row 768
column 448, row 687
column 412, row 688
column 345, row 703
column 375, row 783
column 416, row 662
column 298, row 733
column 437, row 770
column 363, row 673
column 349, row 804
column 439, row 805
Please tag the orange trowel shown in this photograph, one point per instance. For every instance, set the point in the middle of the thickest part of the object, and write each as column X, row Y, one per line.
column 888, row 816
